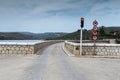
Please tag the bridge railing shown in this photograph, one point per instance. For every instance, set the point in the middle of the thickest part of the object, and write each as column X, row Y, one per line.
column 100, row 49
column 24, row 48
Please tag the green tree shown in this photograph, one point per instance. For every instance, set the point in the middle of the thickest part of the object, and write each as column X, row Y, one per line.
column 102, row 31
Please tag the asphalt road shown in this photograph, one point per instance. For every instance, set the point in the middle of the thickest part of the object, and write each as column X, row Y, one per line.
column 53, row 64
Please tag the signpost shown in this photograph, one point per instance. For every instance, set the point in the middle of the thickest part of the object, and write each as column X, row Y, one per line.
column 82, row 25
column 95, row 29
column 95, row 33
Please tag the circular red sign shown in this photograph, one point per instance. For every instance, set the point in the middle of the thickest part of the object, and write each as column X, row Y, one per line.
column 95, row 37
column 95, row 28
column 95, row 32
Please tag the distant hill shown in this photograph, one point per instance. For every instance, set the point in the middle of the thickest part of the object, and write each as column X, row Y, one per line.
column 28, row 35
column 76, row 35
column 48, row 36
column 109, row 32
column 117, row 28
column 13, row 36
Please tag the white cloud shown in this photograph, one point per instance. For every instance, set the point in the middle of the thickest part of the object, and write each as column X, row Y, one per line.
column 104, row 8
column 37, row 13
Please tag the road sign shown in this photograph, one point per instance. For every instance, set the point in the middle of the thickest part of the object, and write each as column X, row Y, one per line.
column 95, row 37
column 95, row 33
column 95, row 23
column 95, row 28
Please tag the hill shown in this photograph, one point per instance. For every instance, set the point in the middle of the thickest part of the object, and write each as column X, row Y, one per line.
column 112, row 28
column 76, row 35
column 28, row 35
column 107, row 33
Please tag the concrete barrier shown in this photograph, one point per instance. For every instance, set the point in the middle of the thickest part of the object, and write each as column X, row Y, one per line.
column 23, row 48
column 39, row 46
column 91, row 49
column 17, row 48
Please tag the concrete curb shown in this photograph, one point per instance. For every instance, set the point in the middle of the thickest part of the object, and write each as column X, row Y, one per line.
column 88, row 56
column 67, row 52
column 112, row 57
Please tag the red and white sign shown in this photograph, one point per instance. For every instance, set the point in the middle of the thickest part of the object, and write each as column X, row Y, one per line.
column 95, row 28
column 95, row 33
column 95, row 37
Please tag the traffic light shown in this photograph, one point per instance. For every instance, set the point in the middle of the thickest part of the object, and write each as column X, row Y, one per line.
column 82, row 22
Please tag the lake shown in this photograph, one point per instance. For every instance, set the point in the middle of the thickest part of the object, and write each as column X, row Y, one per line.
column 21, row 41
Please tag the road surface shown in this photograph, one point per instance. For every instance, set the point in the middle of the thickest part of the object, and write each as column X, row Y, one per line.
column 54, row 64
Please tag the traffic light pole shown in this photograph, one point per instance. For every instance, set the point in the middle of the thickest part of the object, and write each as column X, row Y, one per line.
column 81, row 42
column 82, row 25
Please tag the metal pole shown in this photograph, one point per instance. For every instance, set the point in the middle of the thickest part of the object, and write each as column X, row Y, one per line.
column 94, row 47
column 82, row 25
column 81, row 42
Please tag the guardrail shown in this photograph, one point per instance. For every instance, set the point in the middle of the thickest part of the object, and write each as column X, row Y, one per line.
column 102, row 49
column 24, row 48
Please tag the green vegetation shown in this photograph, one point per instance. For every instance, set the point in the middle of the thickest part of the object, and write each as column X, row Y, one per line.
column 28, row 35
column 103, row 33
column 76, row 35
column 110, row 33
column 13, row 36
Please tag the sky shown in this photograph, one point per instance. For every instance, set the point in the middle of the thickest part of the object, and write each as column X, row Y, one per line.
column 41, row 16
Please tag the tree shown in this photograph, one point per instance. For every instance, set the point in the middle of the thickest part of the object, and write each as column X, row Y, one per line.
column 102, row 31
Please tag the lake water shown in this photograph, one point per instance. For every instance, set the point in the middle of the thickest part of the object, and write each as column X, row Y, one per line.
column 22, row 41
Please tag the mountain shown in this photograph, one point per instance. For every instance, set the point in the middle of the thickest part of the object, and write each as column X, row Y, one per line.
column 28, row 35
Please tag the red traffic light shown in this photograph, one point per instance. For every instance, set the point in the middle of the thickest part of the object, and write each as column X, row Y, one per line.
column 82, row 19
column 82, row 22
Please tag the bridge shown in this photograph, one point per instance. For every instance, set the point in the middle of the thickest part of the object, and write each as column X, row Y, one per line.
column 52, row 63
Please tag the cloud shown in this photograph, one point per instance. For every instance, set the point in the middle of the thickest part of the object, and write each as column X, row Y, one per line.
column 57, row 15
column 59, row 7
column 104, row 8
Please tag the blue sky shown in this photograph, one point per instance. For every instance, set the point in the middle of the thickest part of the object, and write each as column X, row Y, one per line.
column 56, row 15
